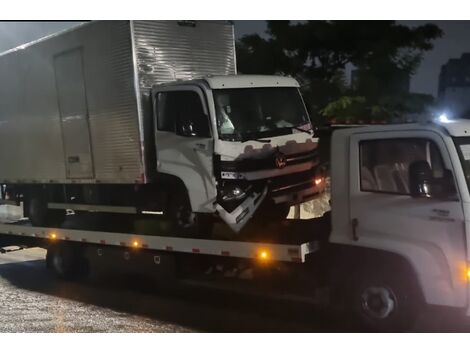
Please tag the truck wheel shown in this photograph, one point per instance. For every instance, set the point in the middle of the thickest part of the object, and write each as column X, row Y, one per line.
column 67, row 262
column 184, row 222
column 385, row 301
column 41, row 216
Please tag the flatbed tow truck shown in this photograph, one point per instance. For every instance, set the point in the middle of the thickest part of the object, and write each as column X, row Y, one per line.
column 395, row 242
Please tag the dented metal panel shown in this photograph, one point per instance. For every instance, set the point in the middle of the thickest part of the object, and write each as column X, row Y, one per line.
column 179, row 50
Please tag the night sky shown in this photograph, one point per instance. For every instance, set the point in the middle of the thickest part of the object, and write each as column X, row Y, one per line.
column 452, row 45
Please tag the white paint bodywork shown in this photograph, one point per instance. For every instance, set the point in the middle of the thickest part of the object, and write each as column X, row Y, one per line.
column 431, row 234
column 190, row 159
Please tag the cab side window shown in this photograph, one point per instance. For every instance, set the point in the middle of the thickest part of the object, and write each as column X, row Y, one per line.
column 384, row 164
column 181, row 112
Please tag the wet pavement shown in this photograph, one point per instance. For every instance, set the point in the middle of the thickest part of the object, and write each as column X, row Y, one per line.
column 34, row 300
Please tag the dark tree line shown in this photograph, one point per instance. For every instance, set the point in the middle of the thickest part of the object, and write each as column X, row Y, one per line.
column 382, row 54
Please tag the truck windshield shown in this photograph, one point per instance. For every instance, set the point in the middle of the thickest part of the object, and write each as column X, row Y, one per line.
column 247, row 113
column 463, row 149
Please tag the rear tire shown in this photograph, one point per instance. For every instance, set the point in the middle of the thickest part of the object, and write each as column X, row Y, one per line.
column 67, row 262
column 40, row 215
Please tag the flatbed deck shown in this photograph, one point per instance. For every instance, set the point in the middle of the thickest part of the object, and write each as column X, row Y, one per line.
column 297, row 240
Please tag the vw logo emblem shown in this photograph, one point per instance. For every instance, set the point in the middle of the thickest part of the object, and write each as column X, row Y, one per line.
column 281, row 161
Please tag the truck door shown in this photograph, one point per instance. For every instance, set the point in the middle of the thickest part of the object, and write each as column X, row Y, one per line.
column 73, row 108
column 427, row 231
column 184, row 143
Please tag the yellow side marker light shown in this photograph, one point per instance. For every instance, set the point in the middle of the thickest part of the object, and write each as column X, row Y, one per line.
column 53, row 236
column 263, row 255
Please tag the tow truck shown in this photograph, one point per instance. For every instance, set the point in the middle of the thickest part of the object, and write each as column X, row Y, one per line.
column 395, row 241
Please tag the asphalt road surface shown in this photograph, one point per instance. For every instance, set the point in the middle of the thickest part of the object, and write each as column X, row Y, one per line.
column 33, row 300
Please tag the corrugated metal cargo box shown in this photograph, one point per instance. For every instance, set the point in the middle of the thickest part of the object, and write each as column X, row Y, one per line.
column 74, row 106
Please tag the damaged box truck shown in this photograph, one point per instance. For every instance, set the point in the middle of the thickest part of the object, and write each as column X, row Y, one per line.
column 149, row 117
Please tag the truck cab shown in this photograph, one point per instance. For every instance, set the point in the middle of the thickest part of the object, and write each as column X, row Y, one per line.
column 237, row 142
column 401, row 203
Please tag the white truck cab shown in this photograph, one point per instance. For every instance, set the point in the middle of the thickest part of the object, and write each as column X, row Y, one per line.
column 404, row 190
column 237, row 142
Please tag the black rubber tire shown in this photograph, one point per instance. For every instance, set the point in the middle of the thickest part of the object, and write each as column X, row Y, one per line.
column 67, row 262
column 385, row 301
column 40, row 215
column 182, row 219
column 205, row 225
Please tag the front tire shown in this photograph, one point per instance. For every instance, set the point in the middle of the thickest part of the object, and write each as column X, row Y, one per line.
column 184, row 222
column 385, row 301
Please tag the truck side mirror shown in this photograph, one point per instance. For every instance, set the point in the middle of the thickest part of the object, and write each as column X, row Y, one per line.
column 420, row 179
column 424, row 184
column 444, row 187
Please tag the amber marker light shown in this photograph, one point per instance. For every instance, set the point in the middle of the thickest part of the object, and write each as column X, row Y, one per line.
column 53, row 236
column 263, row 255
column 135, row 244
column 318, row 181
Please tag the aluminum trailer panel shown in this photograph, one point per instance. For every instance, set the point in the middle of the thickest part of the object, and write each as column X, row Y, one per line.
column 237, row 249
column 74, row 106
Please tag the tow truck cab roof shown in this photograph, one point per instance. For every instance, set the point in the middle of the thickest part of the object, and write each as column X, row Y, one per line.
column 454, row 128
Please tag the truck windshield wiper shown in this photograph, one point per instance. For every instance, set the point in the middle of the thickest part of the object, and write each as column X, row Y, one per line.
column 243, row 139
column 255, row 139
column 301, row 129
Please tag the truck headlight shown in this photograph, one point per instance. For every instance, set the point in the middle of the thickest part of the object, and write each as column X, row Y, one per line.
column 233, row 193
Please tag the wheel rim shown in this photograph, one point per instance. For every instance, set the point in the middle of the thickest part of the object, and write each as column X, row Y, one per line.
column 379, row 302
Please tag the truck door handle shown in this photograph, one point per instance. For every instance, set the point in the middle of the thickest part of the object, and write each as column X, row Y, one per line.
column 354, row 224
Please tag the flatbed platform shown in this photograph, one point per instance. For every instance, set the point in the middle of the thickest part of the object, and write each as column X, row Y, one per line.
column 289, row 241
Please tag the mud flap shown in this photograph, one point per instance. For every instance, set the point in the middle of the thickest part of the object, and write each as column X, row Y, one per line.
column 238, row 218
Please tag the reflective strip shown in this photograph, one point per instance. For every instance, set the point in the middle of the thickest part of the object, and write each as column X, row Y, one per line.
column 225, row 253
column 196, row 250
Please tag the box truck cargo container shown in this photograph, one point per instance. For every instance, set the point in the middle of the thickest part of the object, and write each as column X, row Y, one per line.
column 150, row 118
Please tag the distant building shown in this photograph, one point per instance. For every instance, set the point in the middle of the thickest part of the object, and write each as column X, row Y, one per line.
column 454, row 86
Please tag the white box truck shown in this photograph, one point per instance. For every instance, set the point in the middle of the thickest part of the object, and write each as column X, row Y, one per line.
column 397, row 240
column 149, row 117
